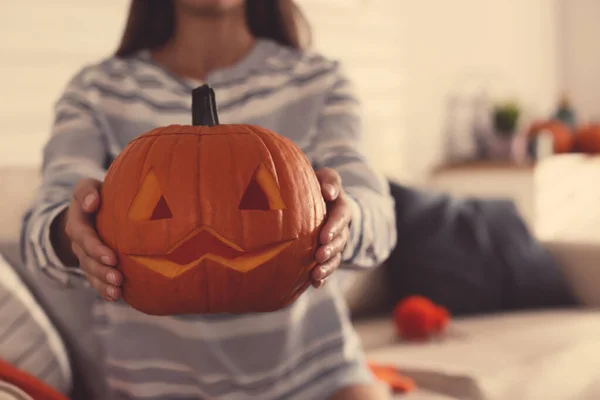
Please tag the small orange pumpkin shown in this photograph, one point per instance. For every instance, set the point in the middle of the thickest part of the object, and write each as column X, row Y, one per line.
column 211, row 218
column 562, row 135
column 418, row 318
column 588, row 138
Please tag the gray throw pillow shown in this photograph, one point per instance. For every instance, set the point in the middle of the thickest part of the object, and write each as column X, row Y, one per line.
column 471, row 255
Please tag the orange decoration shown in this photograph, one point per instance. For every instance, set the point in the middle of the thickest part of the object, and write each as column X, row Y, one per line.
column 392, row 377
column 588, row 138
column 211, row 218
column 35, row 388
column 562, row 135
column 418, row 318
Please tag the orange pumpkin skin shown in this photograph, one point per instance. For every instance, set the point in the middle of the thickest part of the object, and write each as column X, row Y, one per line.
column 588, row 138
column 240, row 226
column 562, row 135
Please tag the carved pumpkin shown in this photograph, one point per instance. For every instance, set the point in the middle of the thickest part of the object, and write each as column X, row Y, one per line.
column 588, row 138
column 563, row 140
column 211, row 218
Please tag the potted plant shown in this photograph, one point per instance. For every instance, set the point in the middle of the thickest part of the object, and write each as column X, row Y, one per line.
column 505, row 125
column 506, row 119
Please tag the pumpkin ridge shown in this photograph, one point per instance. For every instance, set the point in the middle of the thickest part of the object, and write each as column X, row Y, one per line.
column 171, row 166
column 251, row 132
column 197, row 177
column 117, row 163
column 145, row 157
column 112, row 170
column 275, row 275
column 144, row 167
column 201, row 132
column 242, row 235
column 199, row 216
column 314, row 213
column 280, row 219
column 315, row 206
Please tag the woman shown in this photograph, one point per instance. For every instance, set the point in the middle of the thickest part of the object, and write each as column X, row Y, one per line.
column 251, row 53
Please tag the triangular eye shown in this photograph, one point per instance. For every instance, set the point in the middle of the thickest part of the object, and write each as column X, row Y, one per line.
column 161, row 211
column 149, row 203
column 262, row 192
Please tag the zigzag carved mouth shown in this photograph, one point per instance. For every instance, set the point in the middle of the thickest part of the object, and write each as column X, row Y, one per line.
column 203, row 243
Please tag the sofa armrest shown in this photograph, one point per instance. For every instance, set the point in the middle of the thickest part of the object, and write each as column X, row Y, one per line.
column 366, row 292
column 581, row 265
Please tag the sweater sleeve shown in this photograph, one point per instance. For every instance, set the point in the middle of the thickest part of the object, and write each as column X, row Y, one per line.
column 338, row 145
column 76, row 149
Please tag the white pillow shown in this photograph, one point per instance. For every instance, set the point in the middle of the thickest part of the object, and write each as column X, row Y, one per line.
column 28, row 339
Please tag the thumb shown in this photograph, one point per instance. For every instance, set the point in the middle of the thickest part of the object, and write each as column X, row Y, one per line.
column 330, row 183
column 87, row 194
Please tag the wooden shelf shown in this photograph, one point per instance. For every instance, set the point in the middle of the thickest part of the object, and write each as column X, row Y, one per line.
column 483, row 166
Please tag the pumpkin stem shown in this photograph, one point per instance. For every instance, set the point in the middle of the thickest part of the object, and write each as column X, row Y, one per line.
column 204, row 106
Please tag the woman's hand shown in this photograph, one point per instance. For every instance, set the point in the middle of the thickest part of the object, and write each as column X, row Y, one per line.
column 335, row 232
column 76, row 227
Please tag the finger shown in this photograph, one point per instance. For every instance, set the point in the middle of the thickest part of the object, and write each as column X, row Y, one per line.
column 99, row 276
column 339, row 218
column 321, row 272
column 108, row 292
column 331, row 183
column 337, row 245
column 80, row 231
column 92, row 245
column 86, row 194
column 319, row 284
column 107, row 275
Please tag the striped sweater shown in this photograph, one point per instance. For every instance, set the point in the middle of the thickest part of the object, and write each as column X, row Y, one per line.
column 306, row 351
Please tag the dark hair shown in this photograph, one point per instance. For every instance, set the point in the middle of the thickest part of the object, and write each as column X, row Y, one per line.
column 151, row 24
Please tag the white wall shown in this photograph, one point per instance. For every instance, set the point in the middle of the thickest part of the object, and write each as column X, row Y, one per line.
column 581, row 55
column 367, row 36
column 42, row 44
column 408, row 56
column 404, row 55
column 513, row 42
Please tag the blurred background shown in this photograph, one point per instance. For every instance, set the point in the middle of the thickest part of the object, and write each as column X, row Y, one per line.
column 435, row 77
column 476, row 98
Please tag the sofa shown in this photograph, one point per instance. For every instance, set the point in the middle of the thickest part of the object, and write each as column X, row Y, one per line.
column 546, row 353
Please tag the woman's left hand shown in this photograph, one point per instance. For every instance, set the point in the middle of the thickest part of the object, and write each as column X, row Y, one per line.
column 335, row 232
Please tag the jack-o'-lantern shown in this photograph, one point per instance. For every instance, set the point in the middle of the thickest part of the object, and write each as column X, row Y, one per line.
column 211, row 218
column 562, row 136
column 588, row 138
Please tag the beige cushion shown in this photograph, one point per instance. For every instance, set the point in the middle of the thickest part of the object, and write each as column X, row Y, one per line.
column 365, row 291
column 525, row 356
column 581, row 265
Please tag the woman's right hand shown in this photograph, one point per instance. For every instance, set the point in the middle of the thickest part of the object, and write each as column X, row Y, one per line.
column 77, row 226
